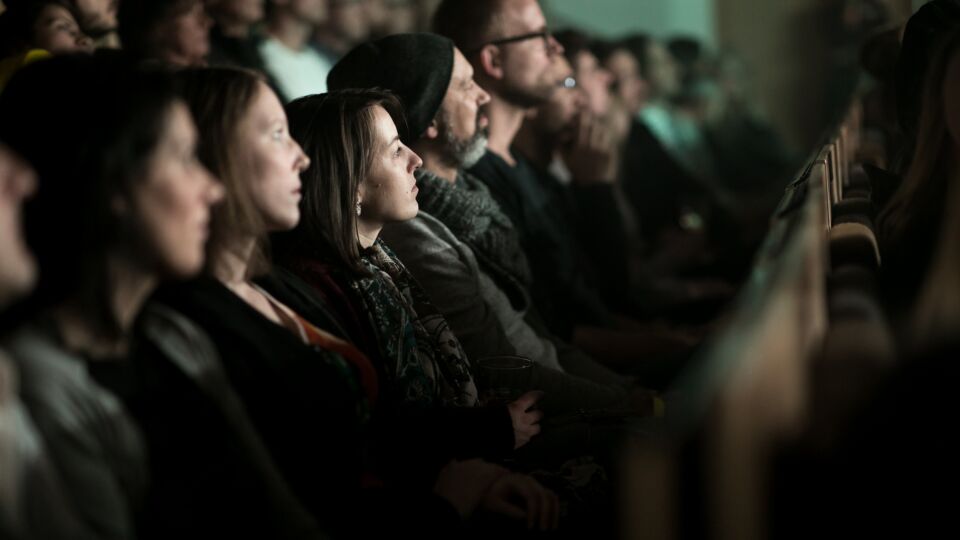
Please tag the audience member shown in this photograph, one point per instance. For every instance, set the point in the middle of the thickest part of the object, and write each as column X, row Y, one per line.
column 298, row 67
column 170, row 32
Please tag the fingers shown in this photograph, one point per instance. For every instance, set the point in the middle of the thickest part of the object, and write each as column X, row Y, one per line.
column 534, row 503
column 504, row 507
column 528, row 400
column 537, row 505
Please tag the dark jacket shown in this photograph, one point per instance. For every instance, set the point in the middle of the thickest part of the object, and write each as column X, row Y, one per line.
column 307, row 407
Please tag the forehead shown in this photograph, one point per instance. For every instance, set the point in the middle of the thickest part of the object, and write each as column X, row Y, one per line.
column 522, row 16
column 622, row 61
column 657, row 52
column 461, row 66
column 383, row 124
column 179, row 121
column 265, row 104
column 585, row 61
column 52, row 12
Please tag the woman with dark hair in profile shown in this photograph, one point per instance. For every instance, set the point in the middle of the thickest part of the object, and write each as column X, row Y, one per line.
column 362, row 178
column 909, row 227
column 307, row 389
column 897, row 463
column 121, row 173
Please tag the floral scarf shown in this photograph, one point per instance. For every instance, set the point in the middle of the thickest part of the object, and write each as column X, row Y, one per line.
column 423, row 355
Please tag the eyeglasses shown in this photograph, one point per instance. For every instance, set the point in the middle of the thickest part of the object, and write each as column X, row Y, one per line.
column 545, row 35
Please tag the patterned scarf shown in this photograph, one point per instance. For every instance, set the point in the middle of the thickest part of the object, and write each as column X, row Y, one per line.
column 424, row 356
column 470, row 212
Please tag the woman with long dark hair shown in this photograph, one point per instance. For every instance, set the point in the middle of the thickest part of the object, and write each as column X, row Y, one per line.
column 307, row 388
column 122, row 204
column 909, row 227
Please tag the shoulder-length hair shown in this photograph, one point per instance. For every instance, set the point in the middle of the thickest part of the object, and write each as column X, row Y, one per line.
column 219, row 99
column 337, row 132
column 937, row 312
column 920, row 197
column 89, row 126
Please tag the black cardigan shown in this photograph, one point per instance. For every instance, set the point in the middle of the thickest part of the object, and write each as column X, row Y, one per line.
column 409, row 443
column 306, row 409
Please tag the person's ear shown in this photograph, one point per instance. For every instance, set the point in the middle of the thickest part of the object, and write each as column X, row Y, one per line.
column 432, row 131
column 491, row 61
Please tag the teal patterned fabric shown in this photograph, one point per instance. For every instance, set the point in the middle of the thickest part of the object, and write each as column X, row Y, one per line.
column 423, row 356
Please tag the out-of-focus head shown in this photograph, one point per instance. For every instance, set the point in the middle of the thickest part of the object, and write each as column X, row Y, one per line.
column 245, row 141
column 349, row 20
column 661, row 71
column 926, row 30
column 937, row 314
column 175, row 32
column 17, row 267
column 124, row 185
column 245, row 12
column 41, row 24
column 629, row 87
column 933, row 167
column 357, row 160
column 508, row 43
column 314, row 12
column 557, row 119
column 591, row 76
column 96, row 17
column 402, row 16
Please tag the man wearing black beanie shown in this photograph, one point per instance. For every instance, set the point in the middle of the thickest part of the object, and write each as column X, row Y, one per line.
column 461, row 247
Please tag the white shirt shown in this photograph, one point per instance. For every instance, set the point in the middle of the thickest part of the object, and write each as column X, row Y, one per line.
column 297, row 73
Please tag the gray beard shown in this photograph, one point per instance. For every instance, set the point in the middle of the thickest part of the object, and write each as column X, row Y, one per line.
column 462, row 153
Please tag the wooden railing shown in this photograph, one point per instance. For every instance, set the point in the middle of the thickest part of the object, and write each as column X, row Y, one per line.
column 705, row 470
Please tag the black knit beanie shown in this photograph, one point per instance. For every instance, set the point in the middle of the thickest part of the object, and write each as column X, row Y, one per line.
column 415, row 67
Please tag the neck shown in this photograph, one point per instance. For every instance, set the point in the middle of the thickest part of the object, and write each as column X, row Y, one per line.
column 291, row 31
column 537, row 148
column 367, row 233
column 232, row 265
column 435, row 163
column 129, row 289
column 505, row 122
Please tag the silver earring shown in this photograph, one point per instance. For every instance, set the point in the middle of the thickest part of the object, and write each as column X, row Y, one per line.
column 358, row 209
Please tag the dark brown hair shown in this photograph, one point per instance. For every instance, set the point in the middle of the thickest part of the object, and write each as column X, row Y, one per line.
column 90, row 145
column 219, row 99
column 920, row 198
column 336, row 130
column 468, row 23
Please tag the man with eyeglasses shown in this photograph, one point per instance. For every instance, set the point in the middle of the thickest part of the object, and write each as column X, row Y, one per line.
column 575, row 160
column 513, row 55
column 460, row 247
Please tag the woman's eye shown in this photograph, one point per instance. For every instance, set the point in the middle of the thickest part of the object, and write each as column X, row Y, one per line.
column 397, row 153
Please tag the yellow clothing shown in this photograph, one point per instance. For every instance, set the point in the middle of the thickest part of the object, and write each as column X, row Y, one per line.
column 12, row 64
